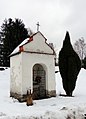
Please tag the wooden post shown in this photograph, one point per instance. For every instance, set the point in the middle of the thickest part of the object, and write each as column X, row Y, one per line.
column 29, row 98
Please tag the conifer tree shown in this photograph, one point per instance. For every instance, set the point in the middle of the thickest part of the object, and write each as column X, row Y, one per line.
column 12, row 34
column 69, row 65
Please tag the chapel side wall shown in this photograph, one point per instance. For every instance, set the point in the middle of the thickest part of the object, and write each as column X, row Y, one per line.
column 47, row 61
column 15, row 75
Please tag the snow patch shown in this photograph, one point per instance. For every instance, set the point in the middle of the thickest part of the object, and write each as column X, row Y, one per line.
column 53, row 108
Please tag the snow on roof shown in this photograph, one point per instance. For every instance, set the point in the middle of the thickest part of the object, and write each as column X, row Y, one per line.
column 16, row 50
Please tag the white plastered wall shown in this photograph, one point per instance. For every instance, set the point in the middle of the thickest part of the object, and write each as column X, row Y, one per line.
column 28, row 61
column 38, row 45
column 16, row 74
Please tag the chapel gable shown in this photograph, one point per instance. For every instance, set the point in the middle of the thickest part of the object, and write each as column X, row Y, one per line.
column 38, row 44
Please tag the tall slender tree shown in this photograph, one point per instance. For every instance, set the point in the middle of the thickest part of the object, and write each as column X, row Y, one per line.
column 12, row 34
column 69, row 65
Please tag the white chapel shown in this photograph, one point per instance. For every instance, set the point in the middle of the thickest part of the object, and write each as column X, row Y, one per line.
column 33, row 68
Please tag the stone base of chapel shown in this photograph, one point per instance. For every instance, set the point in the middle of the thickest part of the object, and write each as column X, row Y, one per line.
column 51, row 93
column 23, row 98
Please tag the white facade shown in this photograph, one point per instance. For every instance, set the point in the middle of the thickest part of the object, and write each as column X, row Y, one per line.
column 31, row 60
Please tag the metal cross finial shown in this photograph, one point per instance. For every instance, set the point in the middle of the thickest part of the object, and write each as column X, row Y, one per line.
column 37, row 26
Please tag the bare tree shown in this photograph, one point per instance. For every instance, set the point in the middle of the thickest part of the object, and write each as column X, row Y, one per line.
column 80, row 48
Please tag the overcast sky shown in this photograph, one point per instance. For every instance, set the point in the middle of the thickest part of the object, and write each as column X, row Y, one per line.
column 55, row 17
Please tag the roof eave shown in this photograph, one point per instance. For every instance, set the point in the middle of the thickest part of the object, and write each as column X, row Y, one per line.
column 14, row 54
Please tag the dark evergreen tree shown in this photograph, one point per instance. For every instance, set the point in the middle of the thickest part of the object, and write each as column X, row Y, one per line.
column 69, row 65
column 1, row 54
column 84, row 63
column 12, row 34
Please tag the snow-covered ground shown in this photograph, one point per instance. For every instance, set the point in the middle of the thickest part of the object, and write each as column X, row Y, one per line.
column 52, row 108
